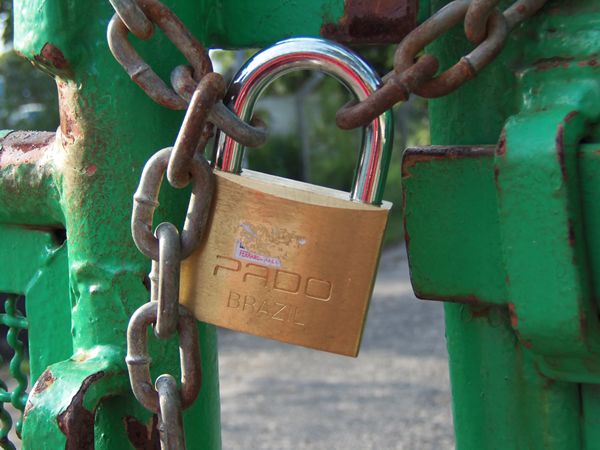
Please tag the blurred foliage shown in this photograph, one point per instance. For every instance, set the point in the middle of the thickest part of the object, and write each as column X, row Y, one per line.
column 28, row 96
column 6, row 22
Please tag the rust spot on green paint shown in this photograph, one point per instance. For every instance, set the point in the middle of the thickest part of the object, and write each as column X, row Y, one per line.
column 481, row 312
column 514, row 320
column 501, row 148
column 467, row 299
column 70, row 126
column 53, row 60
column 24, row 147
column 365, row 21
column 142, row 436
column 45, row 380
column 593, row 62
column 560, row 144
column 526, row 343
column 416, row 155
column 553, row 63
column 77, row 422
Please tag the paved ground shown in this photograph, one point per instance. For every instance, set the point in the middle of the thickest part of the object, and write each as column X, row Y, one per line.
column 394, row 396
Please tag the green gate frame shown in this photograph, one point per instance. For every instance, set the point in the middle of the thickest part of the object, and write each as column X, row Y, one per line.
column 523, row 334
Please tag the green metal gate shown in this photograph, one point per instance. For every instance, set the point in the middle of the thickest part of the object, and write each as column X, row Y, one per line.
column 500, row 220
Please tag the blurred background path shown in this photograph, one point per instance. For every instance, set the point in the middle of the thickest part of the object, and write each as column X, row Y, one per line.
column 394, row 396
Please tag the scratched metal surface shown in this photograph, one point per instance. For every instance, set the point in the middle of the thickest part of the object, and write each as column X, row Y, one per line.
column 394, row 396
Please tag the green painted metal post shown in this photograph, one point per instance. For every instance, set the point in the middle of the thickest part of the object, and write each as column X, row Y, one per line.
column 87, row 174
column 501, row 222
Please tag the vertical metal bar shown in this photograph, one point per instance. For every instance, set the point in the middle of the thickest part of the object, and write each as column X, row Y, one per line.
column 500, row 400
column 108, row 130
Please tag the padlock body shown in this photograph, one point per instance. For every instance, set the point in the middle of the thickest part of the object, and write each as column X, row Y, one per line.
column 287, row 261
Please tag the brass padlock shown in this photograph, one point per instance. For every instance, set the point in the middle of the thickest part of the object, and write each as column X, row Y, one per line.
column 288, row 260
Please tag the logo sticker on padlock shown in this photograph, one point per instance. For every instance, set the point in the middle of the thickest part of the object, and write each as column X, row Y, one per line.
column 288, row 260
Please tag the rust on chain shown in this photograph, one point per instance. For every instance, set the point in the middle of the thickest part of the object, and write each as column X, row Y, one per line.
column 522, row 10
column 468, row 66
column 140, row 435
column 146, row 202
column 170, row 420
column 138, row 359
column 210, row 89
column 77, row 422
column 135, row 19
column 251, row 135
column 482, row 15
column 24, row 147
column 397, row 88
column 476, row 19
column 169, row 264
column 139, row 71
column 366, row 21
column 447, row 17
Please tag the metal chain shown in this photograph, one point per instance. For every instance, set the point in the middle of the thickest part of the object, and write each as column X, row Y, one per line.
column 167, row 248
column 139, row 17
column 485, row 26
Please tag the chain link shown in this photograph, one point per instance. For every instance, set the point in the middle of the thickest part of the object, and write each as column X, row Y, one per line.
column 204, row 98
column 134, row 18
column 138, row 70
column 138, row 358
column 169, row 263
column 250, row 135
column 139, row 17
column 146, row 202
column 476, row 19
column 170, row 422
column 485, row 26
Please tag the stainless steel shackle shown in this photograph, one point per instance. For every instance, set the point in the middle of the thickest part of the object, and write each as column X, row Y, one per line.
column 335, row 60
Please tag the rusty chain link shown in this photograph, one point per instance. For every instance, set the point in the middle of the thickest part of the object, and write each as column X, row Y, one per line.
column 139, row 17
column 250, row 135
column 204, row 98
column 138, row 358
column 138, row 70
column 170, row 422
column 485, row 26
column 134, row 18
column 146, row 202
column 169, row 259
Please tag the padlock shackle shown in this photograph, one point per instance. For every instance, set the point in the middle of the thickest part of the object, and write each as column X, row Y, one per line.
column 335, row 60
